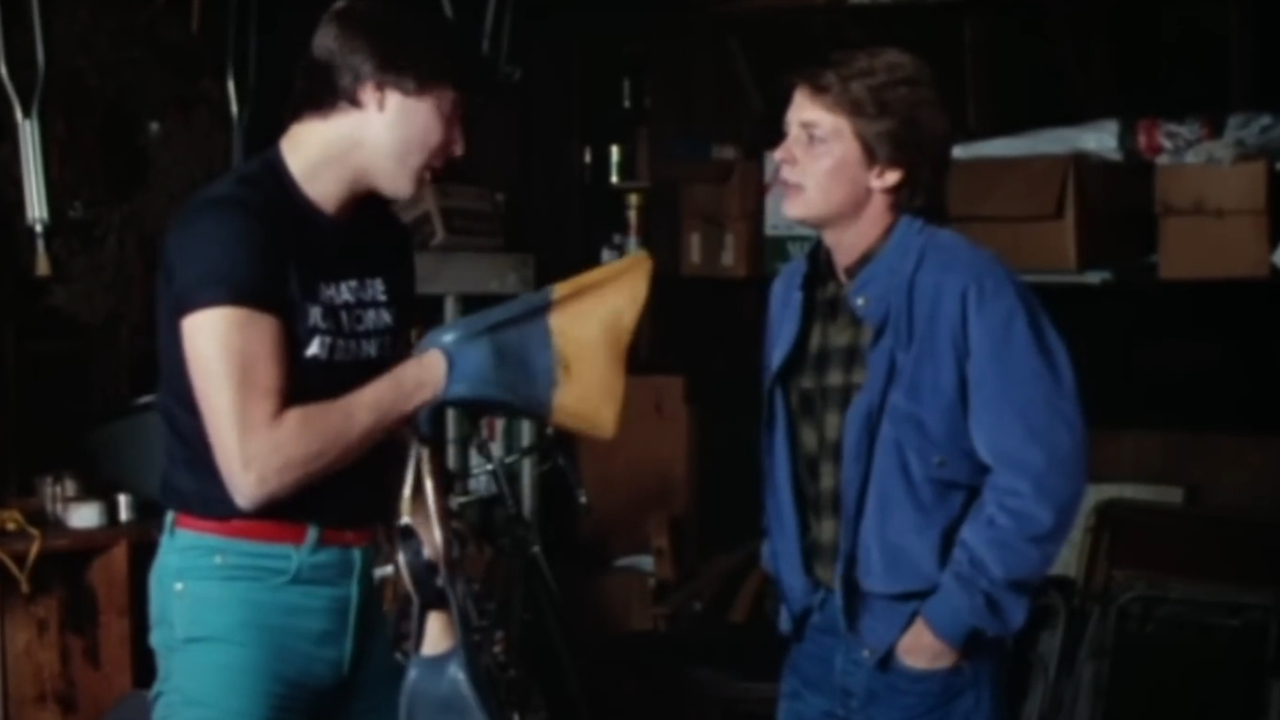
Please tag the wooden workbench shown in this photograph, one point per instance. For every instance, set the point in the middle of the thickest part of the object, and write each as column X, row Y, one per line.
column 67, row 649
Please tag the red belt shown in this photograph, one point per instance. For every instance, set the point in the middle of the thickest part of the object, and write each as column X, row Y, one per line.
column 276, row 531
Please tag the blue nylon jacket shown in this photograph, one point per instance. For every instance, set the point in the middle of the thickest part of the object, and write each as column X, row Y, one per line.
column 964, row 452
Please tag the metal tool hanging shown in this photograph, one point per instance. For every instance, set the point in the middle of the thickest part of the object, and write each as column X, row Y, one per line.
column 30, row 145
column 501, row 56
column 239, row 104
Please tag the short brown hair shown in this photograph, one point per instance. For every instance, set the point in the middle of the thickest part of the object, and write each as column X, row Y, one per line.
column 890, row 98
column 406, row 45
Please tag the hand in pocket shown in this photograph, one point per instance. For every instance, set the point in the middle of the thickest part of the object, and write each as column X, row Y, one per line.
column 921, row 650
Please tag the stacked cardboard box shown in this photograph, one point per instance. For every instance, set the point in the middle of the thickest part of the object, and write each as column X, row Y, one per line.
column 720, row 221
column 1214, row 220
column 1054, row 214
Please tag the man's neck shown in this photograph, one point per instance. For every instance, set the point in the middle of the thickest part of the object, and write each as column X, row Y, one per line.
column 318, row 154
column 850, row 243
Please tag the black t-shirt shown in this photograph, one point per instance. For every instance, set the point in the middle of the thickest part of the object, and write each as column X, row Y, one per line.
column 342, row 288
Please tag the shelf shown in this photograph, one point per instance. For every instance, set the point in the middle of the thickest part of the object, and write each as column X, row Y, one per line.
column 721, row 7
column 441, row 273
column 1146, row 281
column 1088, row 277
column 733, row 5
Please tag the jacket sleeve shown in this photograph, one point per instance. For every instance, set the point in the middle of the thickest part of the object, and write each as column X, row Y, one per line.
column 1027, row 427
column 766, row 562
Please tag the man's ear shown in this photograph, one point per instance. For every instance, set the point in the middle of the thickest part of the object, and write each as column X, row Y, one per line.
column 885, row 178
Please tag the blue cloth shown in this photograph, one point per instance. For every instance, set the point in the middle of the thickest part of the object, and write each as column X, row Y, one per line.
column 964, row 454
column 444, row 686
column 268, row 631
column 501, row 358
column 830, row 674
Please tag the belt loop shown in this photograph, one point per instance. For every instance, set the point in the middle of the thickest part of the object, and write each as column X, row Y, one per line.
column 167, row 527
column 312, row 541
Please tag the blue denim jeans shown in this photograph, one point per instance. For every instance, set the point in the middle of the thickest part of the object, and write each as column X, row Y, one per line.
column 268, row 631
column 830, row 675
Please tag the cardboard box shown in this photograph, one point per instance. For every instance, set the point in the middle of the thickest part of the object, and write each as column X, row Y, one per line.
column 720, row 224
column 719, row 248
column 735, row 191
column 644, row 472
column 1209, row 247
column 1206, row 189
column 1054, row 213
column 1215, row 221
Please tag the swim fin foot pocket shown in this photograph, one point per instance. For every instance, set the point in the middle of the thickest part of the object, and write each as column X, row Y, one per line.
column 557, row 355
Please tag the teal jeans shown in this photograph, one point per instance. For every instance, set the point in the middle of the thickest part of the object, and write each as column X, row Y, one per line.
column 247, row 630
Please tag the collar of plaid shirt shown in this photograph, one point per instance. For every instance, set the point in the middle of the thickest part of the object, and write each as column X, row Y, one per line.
column 822, row 265
column 873, row 286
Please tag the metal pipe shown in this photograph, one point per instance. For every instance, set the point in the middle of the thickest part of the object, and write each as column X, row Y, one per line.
column 504, row 46
column 238, row 103
column 529, row 470
column 251, row 71
column 30, row 141
column 233, row 92
column 452, row 422
column 486, row 34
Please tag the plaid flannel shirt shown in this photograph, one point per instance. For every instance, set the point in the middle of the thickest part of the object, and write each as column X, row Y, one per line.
column 828, row 368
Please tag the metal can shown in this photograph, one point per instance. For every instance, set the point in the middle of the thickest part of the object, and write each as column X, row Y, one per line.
column 125, row 512
column 49, row 488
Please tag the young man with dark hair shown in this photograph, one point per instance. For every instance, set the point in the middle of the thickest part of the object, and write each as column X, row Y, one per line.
column 283, row 297
column 924, row 448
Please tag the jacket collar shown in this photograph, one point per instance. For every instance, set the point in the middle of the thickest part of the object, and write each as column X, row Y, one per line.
column 869, row 291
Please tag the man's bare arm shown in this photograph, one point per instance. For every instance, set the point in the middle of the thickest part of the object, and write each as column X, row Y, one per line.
column 439, row 636
column 265, row 450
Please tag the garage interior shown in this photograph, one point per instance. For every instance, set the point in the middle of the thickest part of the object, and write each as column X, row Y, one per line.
column 1119, row 156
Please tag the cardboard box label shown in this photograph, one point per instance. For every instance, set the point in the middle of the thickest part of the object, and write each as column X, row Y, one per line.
column 719, row 250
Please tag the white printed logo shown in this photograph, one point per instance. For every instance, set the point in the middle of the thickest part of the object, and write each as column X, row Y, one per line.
column 351, row 321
